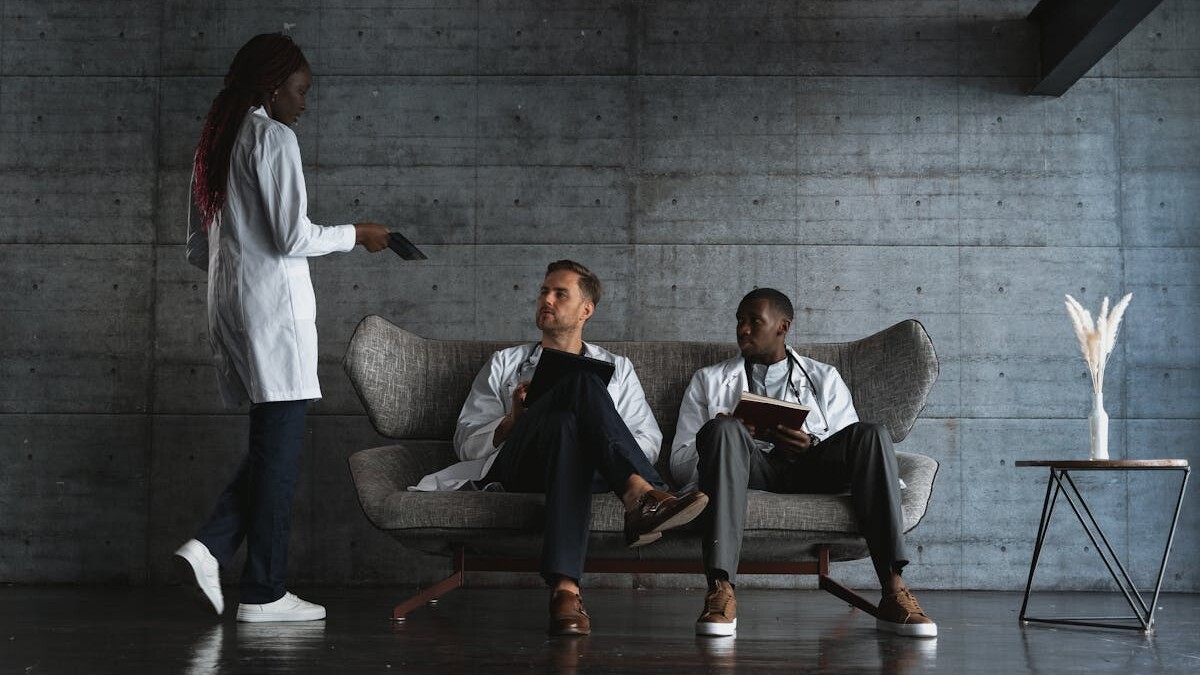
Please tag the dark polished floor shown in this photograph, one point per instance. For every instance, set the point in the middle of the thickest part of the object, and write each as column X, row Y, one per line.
column 491, row 631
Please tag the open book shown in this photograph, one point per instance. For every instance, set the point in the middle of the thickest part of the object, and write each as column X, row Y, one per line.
column 764, row 413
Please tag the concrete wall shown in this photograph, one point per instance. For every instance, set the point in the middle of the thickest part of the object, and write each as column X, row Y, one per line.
column 876, row 160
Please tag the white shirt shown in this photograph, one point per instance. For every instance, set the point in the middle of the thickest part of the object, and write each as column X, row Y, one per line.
column 490, row 401
column 716, row 389
column 261, row 309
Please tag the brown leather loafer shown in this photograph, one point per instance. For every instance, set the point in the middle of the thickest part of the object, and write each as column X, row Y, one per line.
column 567, row 615
column 657, row 511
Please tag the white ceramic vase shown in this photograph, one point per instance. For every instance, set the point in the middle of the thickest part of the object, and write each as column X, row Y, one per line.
column 1098, row 428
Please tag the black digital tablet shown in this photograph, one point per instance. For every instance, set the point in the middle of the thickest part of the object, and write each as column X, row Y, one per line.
column 554, row 365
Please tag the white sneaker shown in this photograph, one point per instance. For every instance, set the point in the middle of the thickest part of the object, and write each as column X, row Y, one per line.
column 205, row 572
column 287, row 608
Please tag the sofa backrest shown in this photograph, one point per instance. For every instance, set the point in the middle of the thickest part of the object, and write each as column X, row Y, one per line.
column 413, row 387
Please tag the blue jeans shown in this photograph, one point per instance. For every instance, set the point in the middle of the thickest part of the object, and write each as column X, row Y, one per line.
column 257, row 504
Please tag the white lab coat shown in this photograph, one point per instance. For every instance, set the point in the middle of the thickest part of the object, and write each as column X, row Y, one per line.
column 490, row 401
column 716, row 389
column 261, row 309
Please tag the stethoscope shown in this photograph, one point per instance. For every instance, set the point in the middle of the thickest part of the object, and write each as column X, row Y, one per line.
column 794, row 362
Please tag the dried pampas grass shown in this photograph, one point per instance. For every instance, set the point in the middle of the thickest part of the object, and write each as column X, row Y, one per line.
column 1096, row 339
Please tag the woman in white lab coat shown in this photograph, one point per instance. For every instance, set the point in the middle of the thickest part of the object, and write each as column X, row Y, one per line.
column 249, row 229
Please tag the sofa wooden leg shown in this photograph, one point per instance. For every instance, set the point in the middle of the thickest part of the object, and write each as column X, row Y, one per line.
column 431, row 594
column 827, row 584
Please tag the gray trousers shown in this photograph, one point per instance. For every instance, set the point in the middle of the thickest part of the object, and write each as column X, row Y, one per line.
column 858, row 459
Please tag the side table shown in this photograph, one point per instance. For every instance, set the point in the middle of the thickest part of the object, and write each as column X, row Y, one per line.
column 1060, row 482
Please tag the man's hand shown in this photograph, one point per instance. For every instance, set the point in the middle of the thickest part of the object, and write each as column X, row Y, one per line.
column 371, row 235
column 789, row 440
column 518, row 400
column 518, row 408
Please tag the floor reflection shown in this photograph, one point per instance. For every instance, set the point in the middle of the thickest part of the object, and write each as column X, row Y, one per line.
column 205, row 654
column 567, row 654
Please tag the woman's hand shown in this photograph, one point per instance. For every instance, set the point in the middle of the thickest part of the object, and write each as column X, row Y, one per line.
column 371, row 235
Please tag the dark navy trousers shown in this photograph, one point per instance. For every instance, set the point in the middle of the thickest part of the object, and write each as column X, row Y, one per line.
column 570, row 443
column 257, row 504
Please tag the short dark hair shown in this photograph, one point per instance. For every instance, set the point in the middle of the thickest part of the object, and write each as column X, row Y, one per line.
column 779, row 302
column 589, row 283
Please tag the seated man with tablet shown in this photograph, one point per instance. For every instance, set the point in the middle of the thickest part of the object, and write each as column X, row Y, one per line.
column 579, row 427
column 825, row 450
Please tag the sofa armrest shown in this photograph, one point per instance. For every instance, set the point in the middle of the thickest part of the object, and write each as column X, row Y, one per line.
column 918, row 473
column 379, row 473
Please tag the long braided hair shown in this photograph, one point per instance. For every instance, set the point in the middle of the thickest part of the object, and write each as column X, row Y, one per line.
column 260, row 67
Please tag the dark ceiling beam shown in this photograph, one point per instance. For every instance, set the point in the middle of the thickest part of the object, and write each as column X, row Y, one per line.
column 1076, row 34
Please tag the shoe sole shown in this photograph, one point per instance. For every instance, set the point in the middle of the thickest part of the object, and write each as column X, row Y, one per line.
column 713, row 629
column 267, row 617
column 189, row 574
column 682, row 518
column 907, row 629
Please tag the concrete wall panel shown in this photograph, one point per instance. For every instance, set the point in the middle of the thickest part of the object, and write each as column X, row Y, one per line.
column 202, row 38
column 77, row 328
column 552, row 205
column 59, row 37
column 556, row 121
column 1163, row 45
column 1160, row 326
column 1152, row 498
column 683, row 38
column 103, row 194
column 74, row 495
column 573, row 37
column 399, row 38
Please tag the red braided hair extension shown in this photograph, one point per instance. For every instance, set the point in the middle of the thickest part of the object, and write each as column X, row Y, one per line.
column 258, row 69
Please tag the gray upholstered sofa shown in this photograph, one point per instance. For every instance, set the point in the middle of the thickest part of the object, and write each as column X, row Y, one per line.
column 412, row 389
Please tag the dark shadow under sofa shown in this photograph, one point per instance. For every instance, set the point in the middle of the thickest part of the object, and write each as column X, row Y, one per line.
column 413, row 388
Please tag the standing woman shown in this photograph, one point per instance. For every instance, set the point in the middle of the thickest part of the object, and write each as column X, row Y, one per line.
column 249, row 228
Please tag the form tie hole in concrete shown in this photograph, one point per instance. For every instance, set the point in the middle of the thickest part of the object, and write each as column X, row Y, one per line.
column 917, row 118
column 116, row 287
column 1002, row 376
column 999, row 120
column 673, row 287
column 1166, row 376
column 1004, row 549
column 360, row 33
column 435, row 201
column 33, row 371
column 516, row 287
column 1001, row 462
column 356, row 202
column 195, row 287
column 674, row 202
column 917, row 34
column 1162, row 205
column 835, row 288
column 112, row 371
column 837, row 118
column 358, row 118
column 121, row 35
column 435, row 287
column 918, row 202
column 597, row 118
column 1079, row 205
column 1000, row 202
column 1082, row 290
column 837, row 33
column 192, row 371
column 517, row 118
column 675, row 33
column 37, row 200
column 756, row 202
column 516, row 202
column 837, row 202
column 597, row 202
column 1001, row 290
column 756, row 118
column 674, row 118
column 35, row 287
column 355, row 287
column 117, row 201
column 1078, row 120
column 437, row 118
column 918, row 290
column 518, row 33
column 1159, row 120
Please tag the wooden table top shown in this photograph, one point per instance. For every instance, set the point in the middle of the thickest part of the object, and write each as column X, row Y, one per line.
column 1105, row 463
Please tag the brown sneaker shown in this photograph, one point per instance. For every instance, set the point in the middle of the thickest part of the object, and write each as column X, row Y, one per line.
column 899, row 613
column 567, row 615
column 657, row 511
column 719, row 617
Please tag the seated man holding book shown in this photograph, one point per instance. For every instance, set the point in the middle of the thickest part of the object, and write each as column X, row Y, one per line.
column 566, row 418
column 717, row 449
